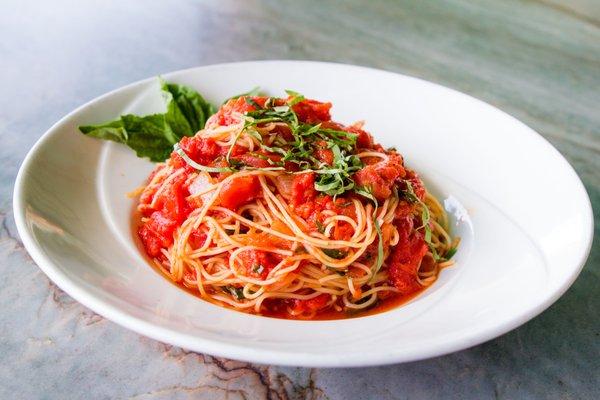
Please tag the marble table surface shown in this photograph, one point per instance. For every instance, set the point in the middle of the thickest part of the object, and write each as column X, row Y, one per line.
column 536, row 60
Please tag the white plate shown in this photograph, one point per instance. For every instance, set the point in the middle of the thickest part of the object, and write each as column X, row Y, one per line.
column 523, row 214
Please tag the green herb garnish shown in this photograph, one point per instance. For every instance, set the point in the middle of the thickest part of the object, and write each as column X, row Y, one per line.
column 236, row 292
column 379, row 262
column 195, row 165
column 153, row 136
column 295, row 97
column 425, row 218
column 450, row 253
column 307, row 139
column 258, row 268
column 367, row 192
column 319, row 226
column 255, row 91
column 341, row 272
column 335, row 253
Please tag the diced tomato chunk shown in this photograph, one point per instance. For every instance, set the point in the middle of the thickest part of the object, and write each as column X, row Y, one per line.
column 239, row 191
column 283, row 131
column 416, row 183
column 172, row 201
column 380, row 177
column 258, row 263
column 197, row 239
column 201, row 150
column 324, row 154
column 226, row 114
column 285, row 185
column 257, row 160
column 157, row 233
column 406, row 257
column 364, row 140
column 303, row 188
column 168, row 212
column 312, row 111
column 311, row 305
column 343, row 231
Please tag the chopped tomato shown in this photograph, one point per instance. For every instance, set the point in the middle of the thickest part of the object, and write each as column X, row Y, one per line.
column 380, row 177
column 284, row 184
column 312, row 111
column 201, row 150
column 310, row 305
column 258, row 263
column 324, row 154
column 197, row 239
column 226, row 114
column 172, row 201
column 303, row 188
column 157, row 233
column 283, row 131
column 258, row 159
column 363, row 140
column 406, row 257
column 416, row 182
column 343, row 231
column 239, row 191
column 311, row 210
column 170, row 210
column 404, row 209
column 236, row 151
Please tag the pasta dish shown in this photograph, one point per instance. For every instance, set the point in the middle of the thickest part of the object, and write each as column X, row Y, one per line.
column 274, row 209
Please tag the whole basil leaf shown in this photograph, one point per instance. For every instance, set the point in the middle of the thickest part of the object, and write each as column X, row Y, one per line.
column 154, row 135
column 187, row 111
column 150, row 136
column 112, row 130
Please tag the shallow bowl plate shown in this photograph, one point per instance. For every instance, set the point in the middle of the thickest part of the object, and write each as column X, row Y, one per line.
column 522, row 212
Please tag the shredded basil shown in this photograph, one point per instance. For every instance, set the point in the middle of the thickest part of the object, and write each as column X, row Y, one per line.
column 332, row 179
column 320, row 226
column 255, row 91
column 367, row 192
column 335, row 253
column 295, row 97
column 258, row 268
column 450, row 253
column 195, row 165
column 425, row 218
column 379, row 262
column 236, row 292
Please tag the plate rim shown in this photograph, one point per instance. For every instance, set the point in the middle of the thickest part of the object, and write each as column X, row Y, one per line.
column 273, row 356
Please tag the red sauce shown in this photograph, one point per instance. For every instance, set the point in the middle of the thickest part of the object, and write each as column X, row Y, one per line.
column 331, row 314
column 382, row 305
column 172, row 207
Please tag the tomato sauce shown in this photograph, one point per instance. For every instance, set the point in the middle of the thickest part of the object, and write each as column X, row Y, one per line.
column 280, row 310
column 172, row 205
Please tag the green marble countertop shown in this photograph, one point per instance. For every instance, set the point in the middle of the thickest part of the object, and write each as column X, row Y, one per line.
column 537, row 60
